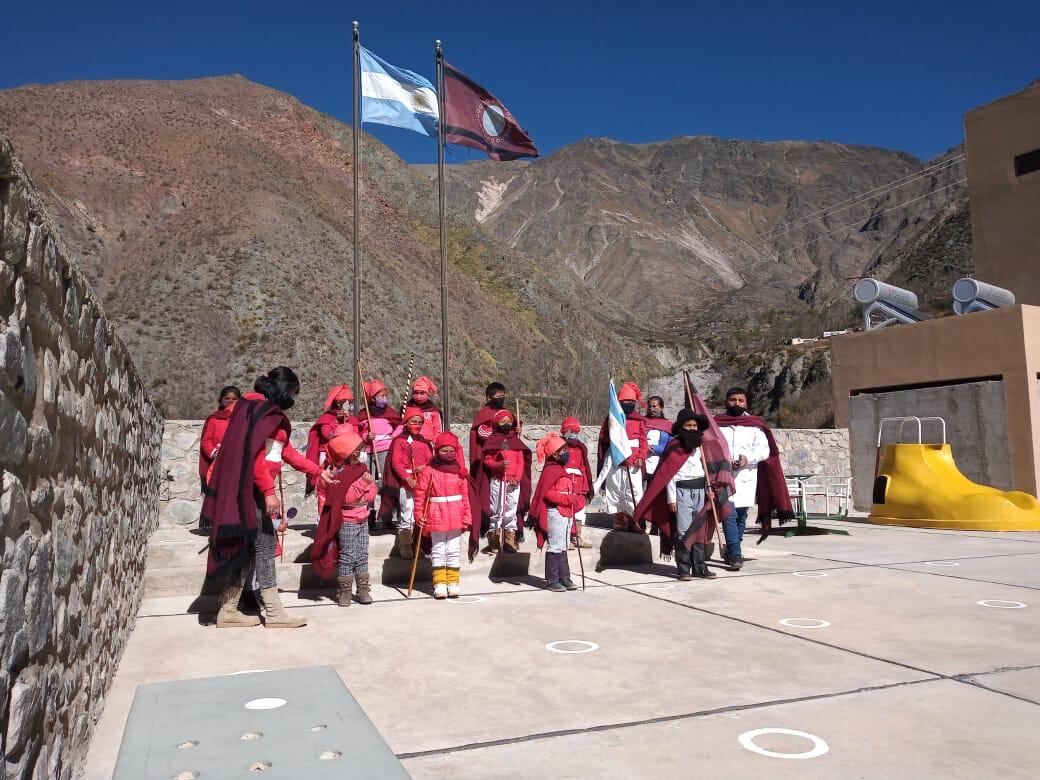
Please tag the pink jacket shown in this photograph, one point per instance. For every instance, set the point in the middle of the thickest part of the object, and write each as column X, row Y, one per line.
column 363, row 491
column 442, row 501
column 384, row 431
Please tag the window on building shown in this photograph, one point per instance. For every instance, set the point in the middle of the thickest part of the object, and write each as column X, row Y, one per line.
column 1027, row 163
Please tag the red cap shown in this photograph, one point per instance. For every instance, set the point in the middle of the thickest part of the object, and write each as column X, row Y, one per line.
column 343, row 446
column 412, row 411
column 446, row 439
column 501, row 416
column 373, row 388
column 425, row 385
column 570, row 425
column 630, row 392
column 338, row 393
column 549, row 444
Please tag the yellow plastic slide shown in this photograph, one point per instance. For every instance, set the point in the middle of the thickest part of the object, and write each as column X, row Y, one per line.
column 919, row 485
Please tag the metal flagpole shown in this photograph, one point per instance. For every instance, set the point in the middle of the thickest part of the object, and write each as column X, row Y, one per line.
column 445, row 393
column 357, row 209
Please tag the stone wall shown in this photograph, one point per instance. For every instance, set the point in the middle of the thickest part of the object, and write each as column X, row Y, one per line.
column 821, row 452
column 79, row 467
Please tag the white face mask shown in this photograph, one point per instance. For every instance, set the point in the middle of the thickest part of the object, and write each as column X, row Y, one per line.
column 571, row 435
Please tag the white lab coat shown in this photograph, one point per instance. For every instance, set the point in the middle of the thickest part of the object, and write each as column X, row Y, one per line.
column 752, row 444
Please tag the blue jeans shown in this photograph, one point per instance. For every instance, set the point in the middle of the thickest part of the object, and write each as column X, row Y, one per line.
column 733, row 529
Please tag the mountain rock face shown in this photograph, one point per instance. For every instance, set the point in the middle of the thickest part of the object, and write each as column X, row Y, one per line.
column 696, row 231
column 215, row 219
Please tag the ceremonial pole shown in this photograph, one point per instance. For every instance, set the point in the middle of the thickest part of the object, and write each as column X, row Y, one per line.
column 357, row 209
column 445, row 393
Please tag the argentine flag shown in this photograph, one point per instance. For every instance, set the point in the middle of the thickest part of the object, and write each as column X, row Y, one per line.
column 395, row 96
column 620, row 447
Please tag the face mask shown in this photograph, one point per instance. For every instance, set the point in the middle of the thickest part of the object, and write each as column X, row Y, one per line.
column 497, row 403
column 380, row 403
column 349, row 408
column 414, row 428
column 571, row 436
column 226, row 402
column 562, row 456
column 446, row 458
column 628, row 406
column 735, row 411
column 504, row 427
column 420, row 397
column 690, row 440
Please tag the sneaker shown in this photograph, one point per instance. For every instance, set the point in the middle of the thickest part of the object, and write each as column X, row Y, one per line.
column 454, row 591
column 685, row 577
column 734, row 564
column 569, row 584
column 440, row 591
column 556, row 587
column 707, row 574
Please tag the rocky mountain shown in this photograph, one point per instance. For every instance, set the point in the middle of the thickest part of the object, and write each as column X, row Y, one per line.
column 698, row 231
column 214, row 217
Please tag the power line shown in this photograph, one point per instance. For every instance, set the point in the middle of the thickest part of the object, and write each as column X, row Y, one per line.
column 876, row 192
column 878, row 214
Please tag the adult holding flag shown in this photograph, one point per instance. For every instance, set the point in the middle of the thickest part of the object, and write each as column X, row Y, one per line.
column 622, row 455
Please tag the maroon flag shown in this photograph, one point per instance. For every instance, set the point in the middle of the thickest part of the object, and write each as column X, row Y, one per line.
column 475, row 118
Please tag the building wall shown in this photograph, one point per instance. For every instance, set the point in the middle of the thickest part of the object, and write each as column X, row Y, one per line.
column 823, row 452
column 79, row 467
column 976, row 421
column 1004, row 207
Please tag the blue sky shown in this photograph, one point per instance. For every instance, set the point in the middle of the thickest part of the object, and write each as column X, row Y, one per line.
column 892, row 74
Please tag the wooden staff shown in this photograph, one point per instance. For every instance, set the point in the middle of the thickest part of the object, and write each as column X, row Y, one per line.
column 581, row 563
column 418, row 542
column 368, row 417
column 281, row 497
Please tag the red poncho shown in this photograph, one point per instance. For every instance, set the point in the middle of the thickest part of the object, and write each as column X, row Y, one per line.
column 771, row 494
column 213, row 430
column 479, row 431
column 325, row 550
column 551, row 475
column 493, row 444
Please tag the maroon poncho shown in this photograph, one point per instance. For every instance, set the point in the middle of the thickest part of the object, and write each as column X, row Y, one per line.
column 232, row 504
column 654, row 505
column 494, row 443
column 315, row 443
column 771, row 494
column 325, row 550
column 540, row 507
column 390, row 491
column 482, row 427
column 583, row 464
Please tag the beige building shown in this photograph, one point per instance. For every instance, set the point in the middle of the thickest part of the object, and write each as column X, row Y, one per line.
column 980, row 372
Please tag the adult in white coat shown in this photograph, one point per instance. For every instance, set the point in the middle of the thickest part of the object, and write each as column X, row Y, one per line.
column 749, row 447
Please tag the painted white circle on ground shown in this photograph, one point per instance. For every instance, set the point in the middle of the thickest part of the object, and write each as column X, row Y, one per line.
column 265, row 704
column 1001, row 604
column 941, row 563
column 747, row 740
column 809, row 573
column 804, row 623
column 248, row 671
column 586, row 647
column 469, row 599
column 656, row 586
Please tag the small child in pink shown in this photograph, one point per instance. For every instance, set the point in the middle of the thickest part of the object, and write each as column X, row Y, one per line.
column 443, row 512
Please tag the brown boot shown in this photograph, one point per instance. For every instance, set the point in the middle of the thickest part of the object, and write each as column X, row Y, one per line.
column 343, row 592
column 509, row 544
column 229, row 616
column 364, row 589
column 493, row 538
column 404, row 543
column 275, row 615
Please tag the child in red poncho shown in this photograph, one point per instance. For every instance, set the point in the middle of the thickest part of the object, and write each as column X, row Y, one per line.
column 505, row 483
column 444, row 513
column 422, row 389
column 338, row 412
column 580, row 471
column 407, row 457
column 341, row 543
column 553, row 508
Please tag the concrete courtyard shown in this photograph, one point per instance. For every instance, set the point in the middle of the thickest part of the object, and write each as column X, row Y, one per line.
column 879, row 647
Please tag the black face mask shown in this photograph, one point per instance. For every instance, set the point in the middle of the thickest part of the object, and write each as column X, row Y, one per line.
column 690, row 440
column 628, row 406
column 735, row 411
column 504, row 428
column 497, row 403
column 563, row 456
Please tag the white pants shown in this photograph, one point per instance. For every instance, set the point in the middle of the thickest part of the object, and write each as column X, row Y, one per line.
column 507, row 518
column 559, row 531
column 616, row 493
column 405, row 510
column 444, row 552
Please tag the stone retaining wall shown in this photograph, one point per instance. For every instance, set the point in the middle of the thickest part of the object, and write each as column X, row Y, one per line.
column 820, row 452
column 79, row 468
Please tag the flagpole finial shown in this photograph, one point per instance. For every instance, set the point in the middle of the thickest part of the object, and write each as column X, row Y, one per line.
column 355, row 25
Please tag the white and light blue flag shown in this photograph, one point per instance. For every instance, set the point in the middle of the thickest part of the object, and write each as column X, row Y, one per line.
column 620, row 446
column 395, row 96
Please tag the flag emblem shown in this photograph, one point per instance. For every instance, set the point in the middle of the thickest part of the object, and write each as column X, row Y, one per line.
column 493, row 120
